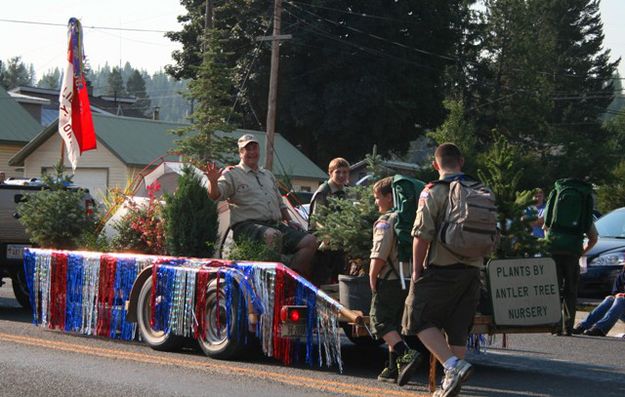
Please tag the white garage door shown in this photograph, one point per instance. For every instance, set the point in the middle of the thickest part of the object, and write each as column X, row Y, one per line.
column 94, row 179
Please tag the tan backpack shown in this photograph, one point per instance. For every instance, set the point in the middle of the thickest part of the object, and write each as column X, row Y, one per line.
column 469, row 228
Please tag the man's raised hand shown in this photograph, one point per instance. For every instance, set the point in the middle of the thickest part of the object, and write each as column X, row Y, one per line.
column 212, row 171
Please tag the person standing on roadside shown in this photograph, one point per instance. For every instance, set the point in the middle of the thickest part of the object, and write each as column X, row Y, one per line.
column 445, row 287
column 536, row 212
column 568, row 219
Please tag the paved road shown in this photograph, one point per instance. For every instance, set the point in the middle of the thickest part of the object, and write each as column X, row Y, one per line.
column 39, row 362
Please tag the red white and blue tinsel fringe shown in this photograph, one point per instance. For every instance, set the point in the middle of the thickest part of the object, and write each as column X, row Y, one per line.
column 86, row 293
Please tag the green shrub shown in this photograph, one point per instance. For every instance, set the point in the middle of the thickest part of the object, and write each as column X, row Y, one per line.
column 191, row 224
column 56, row 217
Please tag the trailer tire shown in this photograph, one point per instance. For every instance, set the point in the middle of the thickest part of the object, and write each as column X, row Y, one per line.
column 216, row 343
column 20, row 288
column 157, row 340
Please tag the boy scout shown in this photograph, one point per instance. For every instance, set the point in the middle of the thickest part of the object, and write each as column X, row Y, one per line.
column 387, row 302
column 444, row 288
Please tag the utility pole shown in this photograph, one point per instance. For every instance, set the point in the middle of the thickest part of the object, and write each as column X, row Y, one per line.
column 273, row 84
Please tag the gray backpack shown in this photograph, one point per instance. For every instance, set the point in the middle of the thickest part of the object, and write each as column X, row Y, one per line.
column 469, row 228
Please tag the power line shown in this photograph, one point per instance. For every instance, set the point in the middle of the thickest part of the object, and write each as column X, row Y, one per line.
column 84, row 27
column 426, row 52
column 358, row 14
column 445, row 57
column 329, row 35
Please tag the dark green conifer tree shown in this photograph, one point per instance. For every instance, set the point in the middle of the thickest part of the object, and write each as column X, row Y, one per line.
column 190, row 219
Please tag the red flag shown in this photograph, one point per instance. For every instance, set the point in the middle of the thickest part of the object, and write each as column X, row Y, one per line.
column 75, row 122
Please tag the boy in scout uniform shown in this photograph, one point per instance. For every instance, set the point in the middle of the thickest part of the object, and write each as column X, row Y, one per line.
column 387, row 302
column 444, row 288
column 256, row 208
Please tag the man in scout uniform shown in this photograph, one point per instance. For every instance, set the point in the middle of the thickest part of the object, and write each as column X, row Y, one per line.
column 257, row 211
column 387, row 301
column 444, row 288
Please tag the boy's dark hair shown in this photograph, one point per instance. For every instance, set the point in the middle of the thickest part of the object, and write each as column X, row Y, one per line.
column 448, row 155
column 384, row 186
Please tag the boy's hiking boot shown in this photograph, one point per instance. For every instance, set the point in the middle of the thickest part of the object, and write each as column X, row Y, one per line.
column 388, row 374
column 453, row 379
column 406, row 366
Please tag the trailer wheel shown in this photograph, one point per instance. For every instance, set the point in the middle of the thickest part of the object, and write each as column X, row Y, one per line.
column 20, row 288
column 157, row 340
column 215, row 342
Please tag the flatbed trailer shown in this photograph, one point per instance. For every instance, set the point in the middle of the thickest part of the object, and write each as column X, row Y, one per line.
column 162, row 301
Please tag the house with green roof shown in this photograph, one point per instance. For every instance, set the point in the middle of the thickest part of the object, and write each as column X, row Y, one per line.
column 128, row 146
column 17, row 128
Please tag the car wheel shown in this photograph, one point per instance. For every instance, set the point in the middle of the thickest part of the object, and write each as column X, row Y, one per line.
column 156, row 339
column 215, row 342
column 20, row 288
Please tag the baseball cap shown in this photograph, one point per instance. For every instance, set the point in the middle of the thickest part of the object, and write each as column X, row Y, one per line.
column 245, row 139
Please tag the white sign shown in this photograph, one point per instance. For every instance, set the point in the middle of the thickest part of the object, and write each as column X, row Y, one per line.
column 524, row 291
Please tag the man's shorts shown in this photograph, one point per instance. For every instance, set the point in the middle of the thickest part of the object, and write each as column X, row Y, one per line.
column 255, row 230
column 387, row 306
column 445, row 297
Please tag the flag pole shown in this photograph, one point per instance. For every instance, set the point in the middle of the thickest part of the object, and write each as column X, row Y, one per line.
column 62, row 153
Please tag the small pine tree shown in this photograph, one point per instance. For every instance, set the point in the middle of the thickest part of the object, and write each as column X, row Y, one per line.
column 345, row 224
column 56, row 217
column 502, row 173
column 190, row 218
column 212, row 92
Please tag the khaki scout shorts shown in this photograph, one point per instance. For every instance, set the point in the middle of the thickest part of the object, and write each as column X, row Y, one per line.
column 387, row 306
column 255, row 230
column 445, row 298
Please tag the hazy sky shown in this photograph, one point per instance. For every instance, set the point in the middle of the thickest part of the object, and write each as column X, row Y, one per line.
column 45, row 46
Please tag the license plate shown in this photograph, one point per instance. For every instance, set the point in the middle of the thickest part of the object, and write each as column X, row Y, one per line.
column 583, row 264
column 292, row 330
column 16, row 251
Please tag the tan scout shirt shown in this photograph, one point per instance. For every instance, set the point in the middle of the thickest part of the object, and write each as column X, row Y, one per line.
column 430, row 214
column 251, row 195
column 385, row 246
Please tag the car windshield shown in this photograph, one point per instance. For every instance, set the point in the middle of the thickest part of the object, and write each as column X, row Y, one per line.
column 612, row 224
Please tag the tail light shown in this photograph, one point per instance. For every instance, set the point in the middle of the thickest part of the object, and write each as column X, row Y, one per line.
column 293, row 314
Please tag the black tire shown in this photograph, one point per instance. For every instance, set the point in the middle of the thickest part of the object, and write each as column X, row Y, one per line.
column 20, row 288
column 362, row 341
column 216, row 343
column 157, row 340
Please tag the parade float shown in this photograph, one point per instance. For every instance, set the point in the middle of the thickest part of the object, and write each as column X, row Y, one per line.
column 162, row 300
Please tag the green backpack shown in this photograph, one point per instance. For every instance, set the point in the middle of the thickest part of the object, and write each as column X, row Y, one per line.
column 406, row 193
column 568, row 215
